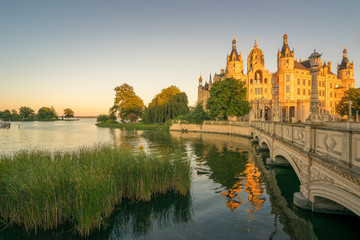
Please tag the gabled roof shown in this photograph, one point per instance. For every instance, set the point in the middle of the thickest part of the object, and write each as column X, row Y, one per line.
column 299, row 65
column 306, row 64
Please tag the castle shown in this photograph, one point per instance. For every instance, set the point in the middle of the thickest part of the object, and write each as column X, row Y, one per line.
column 291, row 83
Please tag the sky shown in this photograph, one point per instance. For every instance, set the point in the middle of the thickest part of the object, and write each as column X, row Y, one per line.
column 72, row 54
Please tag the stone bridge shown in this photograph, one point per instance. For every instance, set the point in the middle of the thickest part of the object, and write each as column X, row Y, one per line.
column 326, row 159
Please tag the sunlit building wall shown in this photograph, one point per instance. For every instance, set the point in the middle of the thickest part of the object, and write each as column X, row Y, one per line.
column 292, row 77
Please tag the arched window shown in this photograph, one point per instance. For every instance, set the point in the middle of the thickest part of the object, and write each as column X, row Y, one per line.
column 251, row 81
column 265, row 80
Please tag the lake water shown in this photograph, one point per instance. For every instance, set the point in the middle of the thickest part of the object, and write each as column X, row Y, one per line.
column 233, row 195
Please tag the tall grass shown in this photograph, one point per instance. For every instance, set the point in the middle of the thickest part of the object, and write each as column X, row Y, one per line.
column 40, row 189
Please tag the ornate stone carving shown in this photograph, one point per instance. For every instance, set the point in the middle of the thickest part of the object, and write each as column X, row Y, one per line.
column 329, row 142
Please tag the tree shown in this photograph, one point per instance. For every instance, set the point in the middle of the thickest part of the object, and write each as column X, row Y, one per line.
column 104, row 118
column 228, row 98
column 27, row 114
column 198, row 115
column 127, row 102
column 6, row 115
column 14, row 115
column 46, row 113
column 68, row 113
column 352, row 94
column 168, row 104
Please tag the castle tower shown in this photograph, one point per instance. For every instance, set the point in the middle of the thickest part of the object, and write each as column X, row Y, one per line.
column 345, row 72
column 259, row 79
column 285, row 56
column 234, row 64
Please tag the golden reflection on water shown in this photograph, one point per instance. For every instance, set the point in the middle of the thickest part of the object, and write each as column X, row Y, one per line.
column 251, row 184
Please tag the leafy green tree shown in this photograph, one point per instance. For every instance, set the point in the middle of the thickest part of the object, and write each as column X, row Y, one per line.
column 6, row 115
column 46, row 113
column 104, row 117
column 68, row 113
column 15, row 116
column 167, row 105
column 198, row 115
column 127, row 102
column 27, row 114
column 352, row 94
column 228, row 98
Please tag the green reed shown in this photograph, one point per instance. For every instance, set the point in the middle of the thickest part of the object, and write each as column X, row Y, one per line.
column 40, row 189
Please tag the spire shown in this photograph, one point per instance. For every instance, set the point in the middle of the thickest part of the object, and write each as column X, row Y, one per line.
column 210, row 81
column 255, row 45
column 285, row 38
column 200, row 80
column 234, row 43
column 345, row 52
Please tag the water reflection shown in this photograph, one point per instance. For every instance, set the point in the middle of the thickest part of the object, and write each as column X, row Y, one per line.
column 135, row 220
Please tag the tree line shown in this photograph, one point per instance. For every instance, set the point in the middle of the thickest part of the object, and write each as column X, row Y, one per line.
column 28, row 114
column 227, row 98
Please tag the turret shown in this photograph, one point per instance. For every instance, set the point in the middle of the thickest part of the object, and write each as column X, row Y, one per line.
column 345, row 71
column 200, row 80
column 234, row 63
column 285, row 56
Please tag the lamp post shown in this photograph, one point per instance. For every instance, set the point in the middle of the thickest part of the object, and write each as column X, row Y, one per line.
column 314, row 117
column 262, row 109
column 350, row 111
column 275, row 92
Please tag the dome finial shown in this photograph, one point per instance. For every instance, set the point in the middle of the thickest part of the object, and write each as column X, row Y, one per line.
column 255, row 45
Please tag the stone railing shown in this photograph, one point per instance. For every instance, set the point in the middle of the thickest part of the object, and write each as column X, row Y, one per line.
column 343, row 125
column 334, row 140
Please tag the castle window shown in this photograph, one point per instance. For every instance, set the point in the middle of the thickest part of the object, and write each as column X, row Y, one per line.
column 330, row 85
column 323, row 83
column 298, row 91
column 277, row 80
column 299, row 81
column 287, row 78
column 256, row 92
column 251, row 81
column 304, row 82
column 308, row 82
column 260, row 80
column 255, row 80
column 309, row 92
column 330, row 94
column 287, row 88
column 330, row 104
column 261, row 91
column 265, row 80
column 335, row 94
column 323, row 91
column 303, row 91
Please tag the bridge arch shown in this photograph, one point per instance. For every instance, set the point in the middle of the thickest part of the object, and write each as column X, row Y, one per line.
column 264, row 144
column 336, row 194
column 279, row 152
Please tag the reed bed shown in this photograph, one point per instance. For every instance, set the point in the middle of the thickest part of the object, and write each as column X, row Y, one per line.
column 40, row 189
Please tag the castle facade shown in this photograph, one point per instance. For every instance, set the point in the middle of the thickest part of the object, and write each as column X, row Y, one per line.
column 291, row 83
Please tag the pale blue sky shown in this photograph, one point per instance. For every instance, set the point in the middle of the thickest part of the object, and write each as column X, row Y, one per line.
column 73, row 53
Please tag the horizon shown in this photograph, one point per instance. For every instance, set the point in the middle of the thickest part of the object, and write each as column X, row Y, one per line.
column 72, row 55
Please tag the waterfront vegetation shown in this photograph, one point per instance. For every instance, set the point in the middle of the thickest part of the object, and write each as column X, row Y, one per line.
column 136, row 126
column 40, row 189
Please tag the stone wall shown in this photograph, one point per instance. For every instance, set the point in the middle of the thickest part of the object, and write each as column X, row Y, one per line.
column 224, row 127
